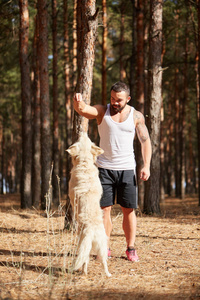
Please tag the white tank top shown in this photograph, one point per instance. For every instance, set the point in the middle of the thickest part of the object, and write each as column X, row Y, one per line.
column 116, row 139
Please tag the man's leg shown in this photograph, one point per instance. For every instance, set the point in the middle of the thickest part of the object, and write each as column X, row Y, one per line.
column 129, row 225
column 107, row 221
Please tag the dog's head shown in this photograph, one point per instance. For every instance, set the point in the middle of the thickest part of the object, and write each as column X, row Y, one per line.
column 84, row 149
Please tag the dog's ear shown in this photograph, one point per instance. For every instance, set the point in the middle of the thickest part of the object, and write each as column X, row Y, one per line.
column 73, row 150
column 95, row 150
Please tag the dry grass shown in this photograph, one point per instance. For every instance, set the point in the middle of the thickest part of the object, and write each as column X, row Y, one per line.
column 36, row 256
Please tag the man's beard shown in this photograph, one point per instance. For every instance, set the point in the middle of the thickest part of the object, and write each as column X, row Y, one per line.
column 118, row 108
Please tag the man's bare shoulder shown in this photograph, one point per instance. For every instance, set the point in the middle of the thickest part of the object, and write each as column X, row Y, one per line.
column 101, row 112
column 138, row 117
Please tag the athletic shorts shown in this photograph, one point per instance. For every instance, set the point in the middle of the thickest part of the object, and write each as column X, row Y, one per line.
column 118, row 187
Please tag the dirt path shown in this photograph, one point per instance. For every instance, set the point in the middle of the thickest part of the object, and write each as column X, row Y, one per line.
column 36, row 256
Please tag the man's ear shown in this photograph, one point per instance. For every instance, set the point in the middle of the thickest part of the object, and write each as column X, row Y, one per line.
column 128, row 99
column 73, row 150
column 95, row 150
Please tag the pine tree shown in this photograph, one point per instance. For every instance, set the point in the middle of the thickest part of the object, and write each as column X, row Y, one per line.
column 26, row 198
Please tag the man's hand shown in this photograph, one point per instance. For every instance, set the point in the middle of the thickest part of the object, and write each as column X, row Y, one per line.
column 145, row 173
column 78, row 97
column 79, row 104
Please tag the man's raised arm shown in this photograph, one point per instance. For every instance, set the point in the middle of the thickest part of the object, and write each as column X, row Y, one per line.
column 85, row 110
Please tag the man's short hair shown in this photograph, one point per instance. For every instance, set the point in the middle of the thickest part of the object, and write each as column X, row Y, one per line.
column 120, row 86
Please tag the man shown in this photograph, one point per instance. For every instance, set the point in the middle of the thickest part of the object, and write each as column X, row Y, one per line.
column 117, row 123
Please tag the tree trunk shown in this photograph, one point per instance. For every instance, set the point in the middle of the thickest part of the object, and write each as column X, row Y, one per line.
column 183, row 111
column 44, row 100
column 146, row 8
column 104, row 60
column 177, row 116
column 198, row 101
column 68, row 216
column 36, row 168
column 133, row 55
column 2, row 155
column 67, row 76
column 162, row 152
column 190, row 187
column 55, row 174
column 169, row 153
column 26, row 198
column 140, row 93
column 152, row 191
column 121, row 54
column 75, row 45
column 86, row 36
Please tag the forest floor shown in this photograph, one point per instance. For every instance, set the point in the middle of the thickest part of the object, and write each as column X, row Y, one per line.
column 36, row 256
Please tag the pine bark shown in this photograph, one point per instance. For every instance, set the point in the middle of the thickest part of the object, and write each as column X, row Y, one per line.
column 122, row 29
column 2, row 155
column 198, row 101
column 133, row 55
column 140, row 92
column 55, row 175
column 177, row 117
column 152, row 191
column 68, row 216
column 104, row 59
column 183, row 112
column 74, row 44
column 44, row 100
column 86, row 37
column 26, row 198
column 67, row 76
column 36, row 169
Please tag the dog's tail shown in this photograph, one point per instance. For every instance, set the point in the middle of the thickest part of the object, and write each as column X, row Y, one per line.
column 85, row 247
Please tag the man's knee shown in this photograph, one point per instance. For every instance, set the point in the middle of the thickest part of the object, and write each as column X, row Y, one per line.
column 106, row 208
column 106, row 211
column 127, row 211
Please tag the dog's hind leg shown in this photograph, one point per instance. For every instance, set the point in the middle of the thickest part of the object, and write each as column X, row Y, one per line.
column 103, row 254
column 104, row 263
column 85, row 266
column 83, row 253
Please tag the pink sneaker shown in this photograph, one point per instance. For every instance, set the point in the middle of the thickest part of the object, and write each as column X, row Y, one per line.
column 132, row 255
column 109, row 253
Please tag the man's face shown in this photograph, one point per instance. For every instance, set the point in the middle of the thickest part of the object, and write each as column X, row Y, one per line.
column 118, row 100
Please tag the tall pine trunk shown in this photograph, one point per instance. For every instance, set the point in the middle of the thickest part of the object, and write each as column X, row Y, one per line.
column 86, row 37
column 152, row 190
column 183, row 111
column 121, row 50
column 2, row 154
column 133, row 55
column 104, row 60
column 36, row 169
column 68, row 216
column 26, row 198
column 67, row 76
column 44, row 100
column 177, row 115
column 55, row 175
column 74, row 77
column 198, row 101
column 140, row 92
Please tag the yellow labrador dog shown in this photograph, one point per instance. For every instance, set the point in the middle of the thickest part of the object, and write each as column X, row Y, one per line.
column 85, row 192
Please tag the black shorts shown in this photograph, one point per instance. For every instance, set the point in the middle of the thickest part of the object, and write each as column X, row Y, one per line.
column 119, row 185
